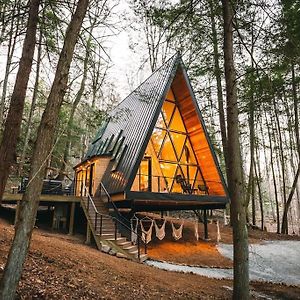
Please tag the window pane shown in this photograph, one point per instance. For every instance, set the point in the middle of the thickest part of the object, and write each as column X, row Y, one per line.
column 176, row 187
column 167, row 151
column 178, row 142
column 198, row 180
column 157, row 139
column 188, row 156
column 160, row 122
column 170, row 95
column 177, row 123
column 168, row 171
column 167, row 110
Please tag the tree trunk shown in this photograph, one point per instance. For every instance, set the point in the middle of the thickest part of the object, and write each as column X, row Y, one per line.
column 32, row 107
column 235, row 182
column 273, row 174
column 14, row 117
column 72, row 113
column 13, row 35
column 284, row 226
column 217, row 73
column 42, row 151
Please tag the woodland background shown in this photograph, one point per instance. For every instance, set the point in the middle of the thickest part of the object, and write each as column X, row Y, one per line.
column 266, row 52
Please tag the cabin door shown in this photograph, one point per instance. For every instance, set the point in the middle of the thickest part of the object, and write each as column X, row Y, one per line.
column 145, row 175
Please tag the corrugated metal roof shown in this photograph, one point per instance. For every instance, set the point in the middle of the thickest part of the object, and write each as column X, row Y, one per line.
column 134, row 116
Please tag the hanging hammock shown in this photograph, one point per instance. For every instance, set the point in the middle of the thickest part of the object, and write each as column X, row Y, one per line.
column 196, row 230
column 134, row 229
column 146, row 235
column 160, row 232
column 218, row 232
column 177, row 233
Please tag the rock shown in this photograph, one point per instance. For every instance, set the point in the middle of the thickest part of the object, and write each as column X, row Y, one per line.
column 105, row 248
column 112, row 252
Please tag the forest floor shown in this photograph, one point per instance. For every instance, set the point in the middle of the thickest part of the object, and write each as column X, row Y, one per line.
column 62, row 267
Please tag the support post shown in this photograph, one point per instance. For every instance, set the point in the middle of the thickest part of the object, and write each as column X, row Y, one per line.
column 17, row 212
column 72, row 215
column 88, row 234
column 205, row 225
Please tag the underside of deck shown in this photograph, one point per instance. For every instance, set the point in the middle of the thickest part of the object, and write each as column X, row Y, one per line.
column 148, row 201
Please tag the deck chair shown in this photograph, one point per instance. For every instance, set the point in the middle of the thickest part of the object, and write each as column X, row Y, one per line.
column 203, row 188
column 186, row 187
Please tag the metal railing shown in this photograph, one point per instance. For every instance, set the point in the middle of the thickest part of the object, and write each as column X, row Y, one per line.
column 163, row 184
column 127, row 228
column 99, row 217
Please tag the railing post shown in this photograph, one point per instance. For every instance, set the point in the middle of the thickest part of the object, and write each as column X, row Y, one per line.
column 115, row 231
column 100, row 225
column 139, row 250
column 158, row 183
column 96, row 219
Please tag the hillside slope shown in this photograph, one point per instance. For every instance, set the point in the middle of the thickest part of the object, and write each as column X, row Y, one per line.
column 62, row 267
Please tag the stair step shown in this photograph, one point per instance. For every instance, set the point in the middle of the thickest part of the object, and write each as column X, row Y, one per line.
column 119, row 240
column 133, row 252
column 143, row 257
column 129, row 248
column 124, row 244
column 109, row 237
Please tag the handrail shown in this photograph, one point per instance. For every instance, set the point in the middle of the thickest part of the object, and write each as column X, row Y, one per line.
column 116, row 220
column 116, row 209
column 111, row 201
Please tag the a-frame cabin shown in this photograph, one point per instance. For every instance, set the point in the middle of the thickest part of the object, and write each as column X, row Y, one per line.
column 153, row 153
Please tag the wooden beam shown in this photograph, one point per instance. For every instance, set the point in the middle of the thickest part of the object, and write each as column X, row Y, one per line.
column 72, row 214
column 205, row 224
column 17, row 212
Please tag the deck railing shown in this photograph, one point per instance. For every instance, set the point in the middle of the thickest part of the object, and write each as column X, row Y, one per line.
column 163, row 184
column 98, row 217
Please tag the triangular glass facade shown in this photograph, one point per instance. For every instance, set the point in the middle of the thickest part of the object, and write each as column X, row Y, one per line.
column 169, row 164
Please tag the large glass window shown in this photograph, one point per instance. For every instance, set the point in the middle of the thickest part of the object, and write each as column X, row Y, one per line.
column 174, row 164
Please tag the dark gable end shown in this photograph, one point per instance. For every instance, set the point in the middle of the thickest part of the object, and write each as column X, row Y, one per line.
column 126, row 134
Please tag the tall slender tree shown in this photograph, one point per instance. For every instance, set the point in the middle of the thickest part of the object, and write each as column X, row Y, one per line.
column 15, row 113
column 42, row 151
column 235, row 182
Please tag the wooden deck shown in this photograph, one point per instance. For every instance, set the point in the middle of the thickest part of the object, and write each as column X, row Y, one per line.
column 14, row 198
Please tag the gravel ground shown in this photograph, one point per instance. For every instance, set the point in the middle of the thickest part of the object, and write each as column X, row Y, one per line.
column 273, row 261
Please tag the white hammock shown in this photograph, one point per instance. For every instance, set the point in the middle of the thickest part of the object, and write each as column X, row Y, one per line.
column 160, row 232
column 134, row 229
column 196, row 230
column 218, row 232
column 147, row 235
column 177, row 233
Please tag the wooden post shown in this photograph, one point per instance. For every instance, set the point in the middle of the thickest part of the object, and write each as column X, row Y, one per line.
column 72, row 214
column 205, row 225
column 53, row 219
column 17, row 212
column 88, row 234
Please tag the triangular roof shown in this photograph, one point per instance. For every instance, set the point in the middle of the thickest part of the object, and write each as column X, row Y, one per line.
column 131, row 124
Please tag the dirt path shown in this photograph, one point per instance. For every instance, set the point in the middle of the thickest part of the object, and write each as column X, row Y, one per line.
column 61, row 267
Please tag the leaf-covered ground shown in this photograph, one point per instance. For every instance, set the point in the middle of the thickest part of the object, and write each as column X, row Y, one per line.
column 62, row 267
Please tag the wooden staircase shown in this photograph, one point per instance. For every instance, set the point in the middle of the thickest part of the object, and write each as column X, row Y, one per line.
column 105, row 230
